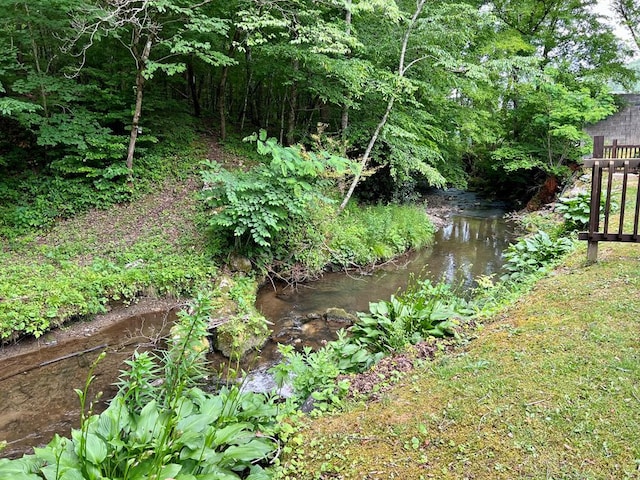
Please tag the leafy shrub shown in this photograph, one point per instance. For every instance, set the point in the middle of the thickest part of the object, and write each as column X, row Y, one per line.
column 310, row 373
column 253, row 207
column 534, row 254
column 424, row 310
column 576, row 210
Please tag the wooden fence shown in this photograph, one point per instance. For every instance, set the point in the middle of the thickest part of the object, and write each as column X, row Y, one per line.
column 607, row 161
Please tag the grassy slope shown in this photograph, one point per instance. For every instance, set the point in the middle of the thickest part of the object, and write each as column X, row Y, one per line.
column 550, row 389
column 149, row 246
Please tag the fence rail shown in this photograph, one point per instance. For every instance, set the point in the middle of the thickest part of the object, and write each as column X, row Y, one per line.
column 607, row 161
column 614, row 151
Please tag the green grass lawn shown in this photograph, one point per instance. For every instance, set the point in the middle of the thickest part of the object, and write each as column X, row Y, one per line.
column 550, row 389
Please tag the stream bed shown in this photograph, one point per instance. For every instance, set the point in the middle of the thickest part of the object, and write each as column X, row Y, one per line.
column 36, row 387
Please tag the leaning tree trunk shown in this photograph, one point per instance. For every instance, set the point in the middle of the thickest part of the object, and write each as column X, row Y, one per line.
column 135, row 124
column 367, row 154
column 402, row 69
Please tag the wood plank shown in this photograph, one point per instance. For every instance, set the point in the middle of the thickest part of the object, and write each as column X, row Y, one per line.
column 619, row 163
column 609, row 237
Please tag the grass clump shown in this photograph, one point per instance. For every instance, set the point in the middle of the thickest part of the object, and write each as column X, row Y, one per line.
column 366, row 235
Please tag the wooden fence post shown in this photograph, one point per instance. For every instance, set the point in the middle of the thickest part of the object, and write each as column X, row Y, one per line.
column 598, row 146
column 594, row 212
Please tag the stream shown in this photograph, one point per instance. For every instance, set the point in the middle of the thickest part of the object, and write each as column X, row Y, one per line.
column 36, row 387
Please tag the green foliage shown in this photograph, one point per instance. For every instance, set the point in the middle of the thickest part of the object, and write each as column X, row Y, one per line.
column 424, row 310
column 310, row 373
column 137, row 382
column 551, row 119
column 174, row 430
column 69, row 186
column 534, row 254
column 253, row 207
column 575, row 210
column 50, row 289
column 368, row 235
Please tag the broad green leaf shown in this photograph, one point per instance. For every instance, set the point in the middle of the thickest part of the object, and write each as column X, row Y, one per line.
column 19, row 469
column 96, row 449
column 237, row 432
column 256, row 449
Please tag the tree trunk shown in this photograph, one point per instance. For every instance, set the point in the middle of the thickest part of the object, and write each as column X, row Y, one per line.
column 140, row 80
column 247, row 90
column 222, row 103
column 374, row 138
column 222, row 97
column 193, row 90
column 36, row 59
column 367, row 154
column 293, row 106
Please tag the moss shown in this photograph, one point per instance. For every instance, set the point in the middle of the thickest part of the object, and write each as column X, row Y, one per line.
column 239, row 326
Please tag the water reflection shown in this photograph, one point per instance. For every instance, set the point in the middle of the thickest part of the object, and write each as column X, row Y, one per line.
column 469, row 246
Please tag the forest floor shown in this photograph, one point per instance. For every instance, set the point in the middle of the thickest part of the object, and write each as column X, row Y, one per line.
column 549, row 389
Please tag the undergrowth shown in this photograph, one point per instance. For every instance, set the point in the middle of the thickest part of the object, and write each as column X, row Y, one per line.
column 34, row 200
column 162, row 425
column 44, row 292
column 149, row 247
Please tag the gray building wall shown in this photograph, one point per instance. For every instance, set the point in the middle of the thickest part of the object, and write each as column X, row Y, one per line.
column 623, row 125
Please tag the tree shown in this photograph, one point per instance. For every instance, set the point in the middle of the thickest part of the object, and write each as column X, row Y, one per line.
column 568, row 54
column 157, row 34
column 401, row 72
column 437, row 60
column 629, row 12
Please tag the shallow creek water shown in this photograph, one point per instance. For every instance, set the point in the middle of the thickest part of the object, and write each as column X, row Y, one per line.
column 37, row 397
column 36, row 388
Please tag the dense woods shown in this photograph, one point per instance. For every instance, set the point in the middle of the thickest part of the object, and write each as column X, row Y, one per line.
column 431, row 92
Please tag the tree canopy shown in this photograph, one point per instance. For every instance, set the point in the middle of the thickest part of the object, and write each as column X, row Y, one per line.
column 426, row 91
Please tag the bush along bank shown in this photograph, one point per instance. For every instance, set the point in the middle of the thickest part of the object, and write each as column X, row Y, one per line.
column 282, row 213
